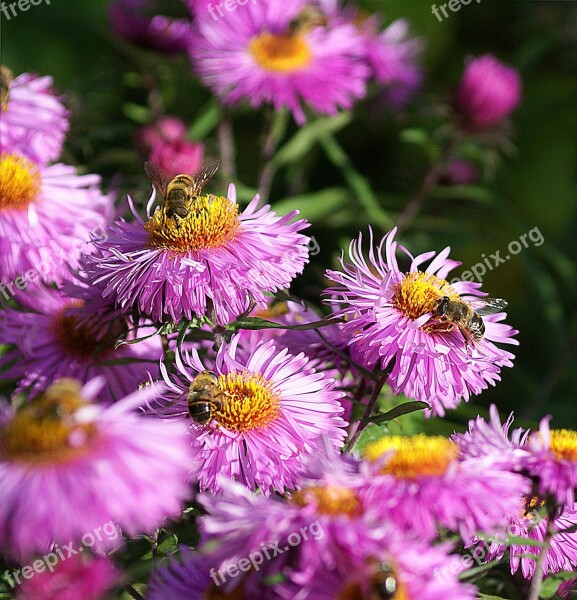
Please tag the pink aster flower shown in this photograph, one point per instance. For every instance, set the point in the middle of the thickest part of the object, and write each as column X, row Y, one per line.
column 177, row 157
column 272, row 414
column 391, row 315
column 489, row 91
column 130, row 19
column 549, row 457
column 392, row 55
column 71, row 579
column 56, row 335
column 553, row 459
column 471, row 495
column 69, row 467
column 333, row 529
column 256, row 54
column 48, row 216
column 213, row 262
column 492, row 439
column 34, row 120
column 166, row 129
column 407, row 569
column 532, row 525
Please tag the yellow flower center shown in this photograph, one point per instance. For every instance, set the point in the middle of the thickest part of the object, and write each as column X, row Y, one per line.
column 417, row 293
column 45, row 430
column 329, row 500
column 531, row 506
column 281, row 53
column 250, row 402
column 414, row 456
column 564, row 444
column 86, row 338
column 211, row 222
column 19, row 182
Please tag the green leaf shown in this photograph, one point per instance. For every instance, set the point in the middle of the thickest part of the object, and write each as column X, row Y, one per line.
column 399, row 411
column 372, row 433
column 306, row 137
column 316, row 206
column 206, row 122
column 258, row 323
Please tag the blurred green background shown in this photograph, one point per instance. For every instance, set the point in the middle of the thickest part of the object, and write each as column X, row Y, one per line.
column 535, row 185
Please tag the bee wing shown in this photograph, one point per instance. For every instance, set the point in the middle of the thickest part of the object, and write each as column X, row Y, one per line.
column 201, row 177
column 488, row 306
column 159, row 177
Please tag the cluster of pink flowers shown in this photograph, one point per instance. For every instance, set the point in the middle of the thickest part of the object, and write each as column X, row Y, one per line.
column 159, row 371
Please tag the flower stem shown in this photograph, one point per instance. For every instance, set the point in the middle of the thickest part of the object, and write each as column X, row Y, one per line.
column 275, row 128
column 430, row 181
column 371, row 405
column 537, row 580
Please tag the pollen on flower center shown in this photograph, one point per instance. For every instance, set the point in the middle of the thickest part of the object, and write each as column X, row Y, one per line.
column 415, row 456
column 250, row 402
column 85, row 338
column 45, row 430
column 19, row 181
column 417, row 293
column 329, row 500
column 564, row 444
column 281, row 52
column 211, row 222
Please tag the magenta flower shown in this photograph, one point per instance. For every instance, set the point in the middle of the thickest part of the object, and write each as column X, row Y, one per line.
column 167, row 129
column 34, row 120
column 69, row 467
column 48, row 216
column 407, row 569
column 553, row 459
column 129, row 19
column 460, row 172
column 492, row 439
column 273, row 415
column 214, row 262
column 471, row 495
column 254, row 54
column 489, row 91
column 76, row 577
column 532, row 525
column 549, row 457
column 334, row 529
column 177, row 157
column 392, row 55
column 56, row 335
column 390, row 316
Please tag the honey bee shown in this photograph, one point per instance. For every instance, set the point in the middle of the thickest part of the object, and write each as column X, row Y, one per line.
column 204, row 397
column 179, row 192
column 467, row 315
column 310, row 16
column 6, row 77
